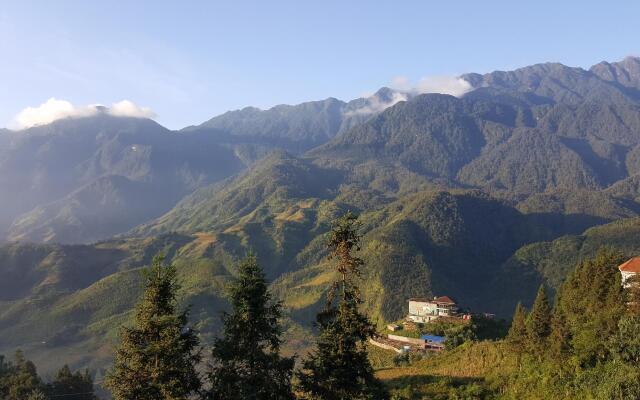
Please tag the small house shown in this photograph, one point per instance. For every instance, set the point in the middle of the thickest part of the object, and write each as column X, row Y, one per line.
column 629, row 269
column 426, row 310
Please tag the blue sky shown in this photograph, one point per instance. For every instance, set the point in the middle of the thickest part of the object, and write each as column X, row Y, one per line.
column 189, row 61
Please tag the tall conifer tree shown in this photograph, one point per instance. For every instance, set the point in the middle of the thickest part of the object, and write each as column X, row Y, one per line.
column 518, row 331
column 18, row 380
column 539, row 321
column 560, row 337
column 517, row 336
column 158, row 355
column 246, row 360
column 339, row 368
column 592, row 300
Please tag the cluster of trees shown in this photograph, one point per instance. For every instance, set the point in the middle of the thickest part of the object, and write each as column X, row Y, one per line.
column 19, row 380
column 587, row 345
column 160, row 356
column 479, row 327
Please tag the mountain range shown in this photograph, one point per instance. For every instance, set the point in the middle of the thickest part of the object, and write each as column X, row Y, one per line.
column 480, row 197
column 79, row 180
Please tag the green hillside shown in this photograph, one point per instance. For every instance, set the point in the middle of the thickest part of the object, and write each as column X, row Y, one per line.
column 480, row 198
column 550, row 262
column 67, row 301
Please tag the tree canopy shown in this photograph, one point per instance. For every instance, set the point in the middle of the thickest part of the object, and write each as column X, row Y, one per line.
column 157, row 356
column 339, row 367
column 246, row 363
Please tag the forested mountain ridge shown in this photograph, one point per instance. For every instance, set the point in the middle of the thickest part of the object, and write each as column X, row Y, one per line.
column 297, row 128
column 559, row 127
column 59, row 176
column 576, row 144
column 481, row 197
column 51, row 172
column 625, row 72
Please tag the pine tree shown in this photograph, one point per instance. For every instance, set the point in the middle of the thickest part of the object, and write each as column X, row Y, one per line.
column 339, row 368
column 625, row 345
column 5, row 373
column 560, row 337
column 158, row 355
column 20, row 380
column 592, row 300
column 246, row 360
column 79, row 385
column 539, row 322
column 517, row 336
column 518, row 332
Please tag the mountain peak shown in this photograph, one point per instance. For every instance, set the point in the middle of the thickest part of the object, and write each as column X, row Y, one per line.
column 625, row 72
column 385, row 94
column 56, row 109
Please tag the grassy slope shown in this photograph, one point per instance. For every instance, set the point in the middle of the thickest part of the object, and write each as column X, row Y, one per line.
column 409, row 248
column 460, row 372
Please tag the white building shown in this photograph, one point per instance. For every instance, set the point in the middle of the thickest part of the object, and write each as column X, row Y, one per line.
column 425, row 310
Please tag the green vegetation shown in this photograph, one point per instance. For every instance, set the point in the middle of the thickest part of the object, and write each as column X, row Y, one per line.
column 67, row 384
column 19, row 380
column 87, row 179
column 479, row 327
column 578, row 352
column 517, row 335
column 339, row 367
column 246, row 359
column 66, row 302
column 586, row 346
column 157, row 357
column 538, row 324
column 485, row 198
column 458, row 373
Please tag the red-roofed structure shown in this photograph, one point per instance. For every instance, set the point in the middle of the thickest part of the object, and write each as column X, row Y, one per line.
column 443, row 300
column 631, row 265
column 629, row 269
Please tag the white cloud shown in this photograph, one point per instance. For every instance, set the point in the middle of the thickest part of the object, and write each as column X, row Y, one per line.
column 376, row 104
column 405, row 89
column 126, row 108
column 443, row 84
column 54, row 109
